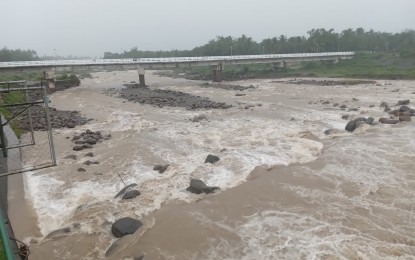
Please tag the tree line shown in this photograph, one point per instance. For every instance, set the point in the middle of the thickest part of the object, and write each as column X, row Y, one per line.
column 317, row 40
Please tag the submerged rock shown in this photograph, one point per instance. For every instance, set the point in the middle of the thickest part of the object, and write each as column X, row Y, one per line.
column 125, row 226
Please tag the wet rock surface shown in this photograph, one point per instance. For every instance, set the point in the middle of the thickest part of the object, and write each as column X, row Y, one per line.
column 163, row 98
column 87, row 140
column 198, row 187
column 131, row 194
column 125, row 226
column 212, row 159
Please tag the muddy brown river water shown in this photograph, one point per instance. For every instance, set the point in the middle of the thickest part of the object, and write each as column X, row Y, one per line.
column 288, row 191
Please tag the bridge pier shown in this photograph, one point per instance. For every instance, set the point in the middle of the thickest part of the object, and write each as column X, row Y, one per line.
column 49, row 76
column 141, row 78
column 217, row 72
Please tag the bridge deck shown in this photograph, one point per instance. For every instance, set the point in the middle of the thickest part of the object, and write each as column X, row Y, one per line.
column 176, row 61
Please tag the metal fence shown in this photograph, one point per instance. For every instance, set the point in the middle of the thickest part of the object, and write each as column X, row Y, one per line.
column 25, row 127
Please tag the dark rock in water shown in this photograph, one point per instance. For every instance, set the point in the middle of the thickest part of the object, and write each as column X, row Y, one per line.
column 343, row 106
column 345, row 117
column 125, row 226
column 371, row 106
column 406, row 118
column 58, row 232
column 328, row 131
column 335, row 104
column 90, row 141
column 81, row 170
column 163, row 168
column 70, row 125
column 354, row 109
column 76, row 137
column 199, row 118
column 384, row 104
column 360, row 119
column 157, row 167
column 355, row 99
column 351, row 126
column 198, row 186
column 387, row 109
column 79, row 142
column 86, row 146
column 395, row 90
column 211, row 159
column 77, row 148
column 388, row 121
column 121, row 192
column 403, row 102
column 404, row 108
column 369, row 120
column 131, row 194
column 240, row 95
column 88, row 162
column 72, row 156
column 141, row 257
column 90, row 154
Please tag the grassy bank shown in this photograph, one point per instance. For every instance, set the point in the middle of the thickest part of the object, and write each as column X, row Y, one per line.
column 374, row 66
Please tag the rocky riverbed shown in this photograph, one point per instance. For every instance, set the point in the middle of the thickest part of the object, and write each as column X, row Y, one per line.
column 59, row 118
column 167, row 162
column 161, row 98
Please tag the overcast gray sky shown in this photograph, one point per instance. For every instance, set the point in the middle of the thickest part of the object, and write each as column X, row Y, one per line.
column 91, row 27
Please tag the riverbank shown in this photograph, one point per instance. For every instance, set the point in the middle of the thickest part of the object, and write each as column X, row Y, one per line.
column 368, row 66
column 272, row 124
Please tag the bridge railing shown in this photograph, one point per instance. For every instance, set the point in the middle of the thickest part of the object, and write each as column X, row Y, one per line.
column 58, row 63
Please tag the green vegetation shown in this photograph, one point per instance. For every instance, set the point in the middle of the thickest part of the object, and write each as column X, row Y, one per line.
column 318, row 40
column 10, row 76
column 12, row 97
column 17, row 55
column 362, row 66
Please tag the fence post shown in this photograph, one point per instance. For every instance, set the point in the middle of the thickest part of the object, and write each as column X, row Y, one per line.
column 52, row 148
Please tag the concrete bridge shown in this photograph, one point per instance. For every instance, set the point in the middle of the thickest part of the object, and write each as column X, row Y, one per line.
column 217, row 63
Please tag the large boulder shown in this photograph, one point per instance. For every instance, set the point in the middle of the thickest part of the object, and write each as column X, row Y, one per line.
column 198, row 186
column 211, row 159
column 351, row 126
column 125, row 226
